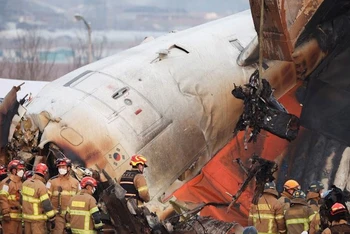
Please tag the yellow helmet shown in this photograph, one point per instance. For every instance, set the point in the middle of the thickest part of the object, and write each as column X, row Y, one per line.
column 138, row 159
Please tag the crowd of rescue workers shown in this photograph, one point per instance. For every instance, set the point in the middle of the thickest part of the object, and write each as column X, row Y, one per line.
column 32, row 204
column 295, row 212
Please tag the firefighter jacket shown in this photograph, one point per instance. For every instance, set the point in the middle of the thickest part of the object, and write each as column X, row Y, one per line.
column 285, row 199
column 10, row 196
column 135, row 185
column 36, row 203
column 338, row 227
column 83, row 215
column 315, row 224
column 267, row 216
column 61, row 189
column 312, row 200
column 298, row 216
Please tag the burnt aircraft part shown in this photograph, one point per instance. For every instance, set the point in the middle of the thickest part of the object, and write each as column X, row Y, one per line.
column 124, row 221
column 204, row 225
column 328, row 10
column 312, row 157
column 8, row 109
column 262, row 170
column 264, row 112
column 327, row 103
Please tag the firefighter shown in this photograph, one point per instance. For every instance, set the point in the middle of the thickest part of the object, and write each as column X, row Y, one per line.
column 289, row 187
column 61, row 189
column 338, row 216
column 37, row 207
column 134, row 182
column 314, row 195
column 83, row 215
column 10, row 189
column 267, row 216
column 299, row 215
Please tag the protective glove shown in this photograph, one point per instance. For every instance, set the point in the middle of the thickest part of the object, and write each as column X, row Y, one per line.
column 68, row 231
column 6, row 217
column 52, row 222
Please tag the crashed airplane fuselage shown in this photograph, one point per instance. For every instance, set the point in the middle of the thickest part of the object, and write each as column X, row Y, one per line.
column 168, row 99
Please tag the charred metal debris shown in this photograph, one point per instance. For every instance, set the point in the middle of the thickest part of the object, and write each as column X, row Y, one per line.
column 263, row 111
column 262, row 170
column 126, row 217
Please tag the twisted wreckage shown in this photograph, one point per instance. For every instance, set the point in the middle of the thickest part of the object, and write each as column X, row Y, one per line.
column 170, row 100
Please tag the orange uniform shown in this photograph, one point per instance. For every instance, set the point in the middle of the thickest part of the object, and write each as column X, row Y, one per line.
column 61, row 189
column 10, row 189
column 83, row 215
column 37, row 207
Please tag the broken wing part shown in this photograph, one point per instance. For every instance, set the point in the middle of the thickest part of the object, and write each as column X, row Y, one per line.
column 283, row 23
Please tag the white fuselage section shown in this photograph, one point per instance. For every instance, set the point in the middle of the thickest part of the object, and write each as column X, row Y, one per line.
column 168, row 99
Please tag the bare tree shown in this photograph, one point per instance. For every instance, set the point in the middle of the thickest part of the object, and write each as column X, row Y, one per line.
column 80, row 50
column 32, row 59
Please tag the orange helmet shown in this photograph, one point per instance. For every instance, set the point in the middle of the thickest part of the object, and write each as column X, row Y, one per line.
column 88, row 181
column 138, row 159
column 337, row 208
column 16, row 164
column 41, row 169
column 63, row 162
column 291, row 184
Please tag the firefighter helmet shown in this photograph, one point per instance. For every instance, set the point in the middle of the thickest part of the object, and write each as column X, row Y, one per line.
column 299, row 194
column 16, row 164
column 291, row 184
column 337, row 208
column 2, row 170
column 41, row 169
column 270, row 185
column 28, row 174
column 316, row 187
column 88, row 180
column 138, row 159
column 63, row 162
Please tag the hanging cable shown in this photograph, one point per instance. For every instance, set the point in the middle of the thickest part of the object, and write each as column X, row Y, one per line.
column 261, row 46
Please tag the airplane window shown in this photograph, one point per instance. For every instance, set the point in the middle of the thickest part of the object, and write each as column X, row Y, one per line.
column 120, row 92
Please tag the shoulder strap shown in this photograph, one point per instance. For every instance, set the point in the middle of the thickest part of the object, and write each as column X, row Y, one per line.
column 8, row 181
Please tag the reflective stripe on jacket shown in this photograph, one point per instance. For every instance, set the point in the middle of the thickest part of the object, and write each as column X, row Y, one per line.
column 36, row 203
column 70, row 187
column 298, row 216
column 10, row 196
column 267, row 216
column 80, row 211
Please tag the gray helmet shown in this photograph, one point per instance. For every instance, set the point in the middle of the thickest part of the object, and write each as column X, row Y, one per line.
column 270, row 185
column 316, row 187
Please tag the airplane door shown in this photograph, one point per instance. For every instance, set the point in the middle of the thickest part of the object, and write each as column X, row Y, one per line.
column 114, row 99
